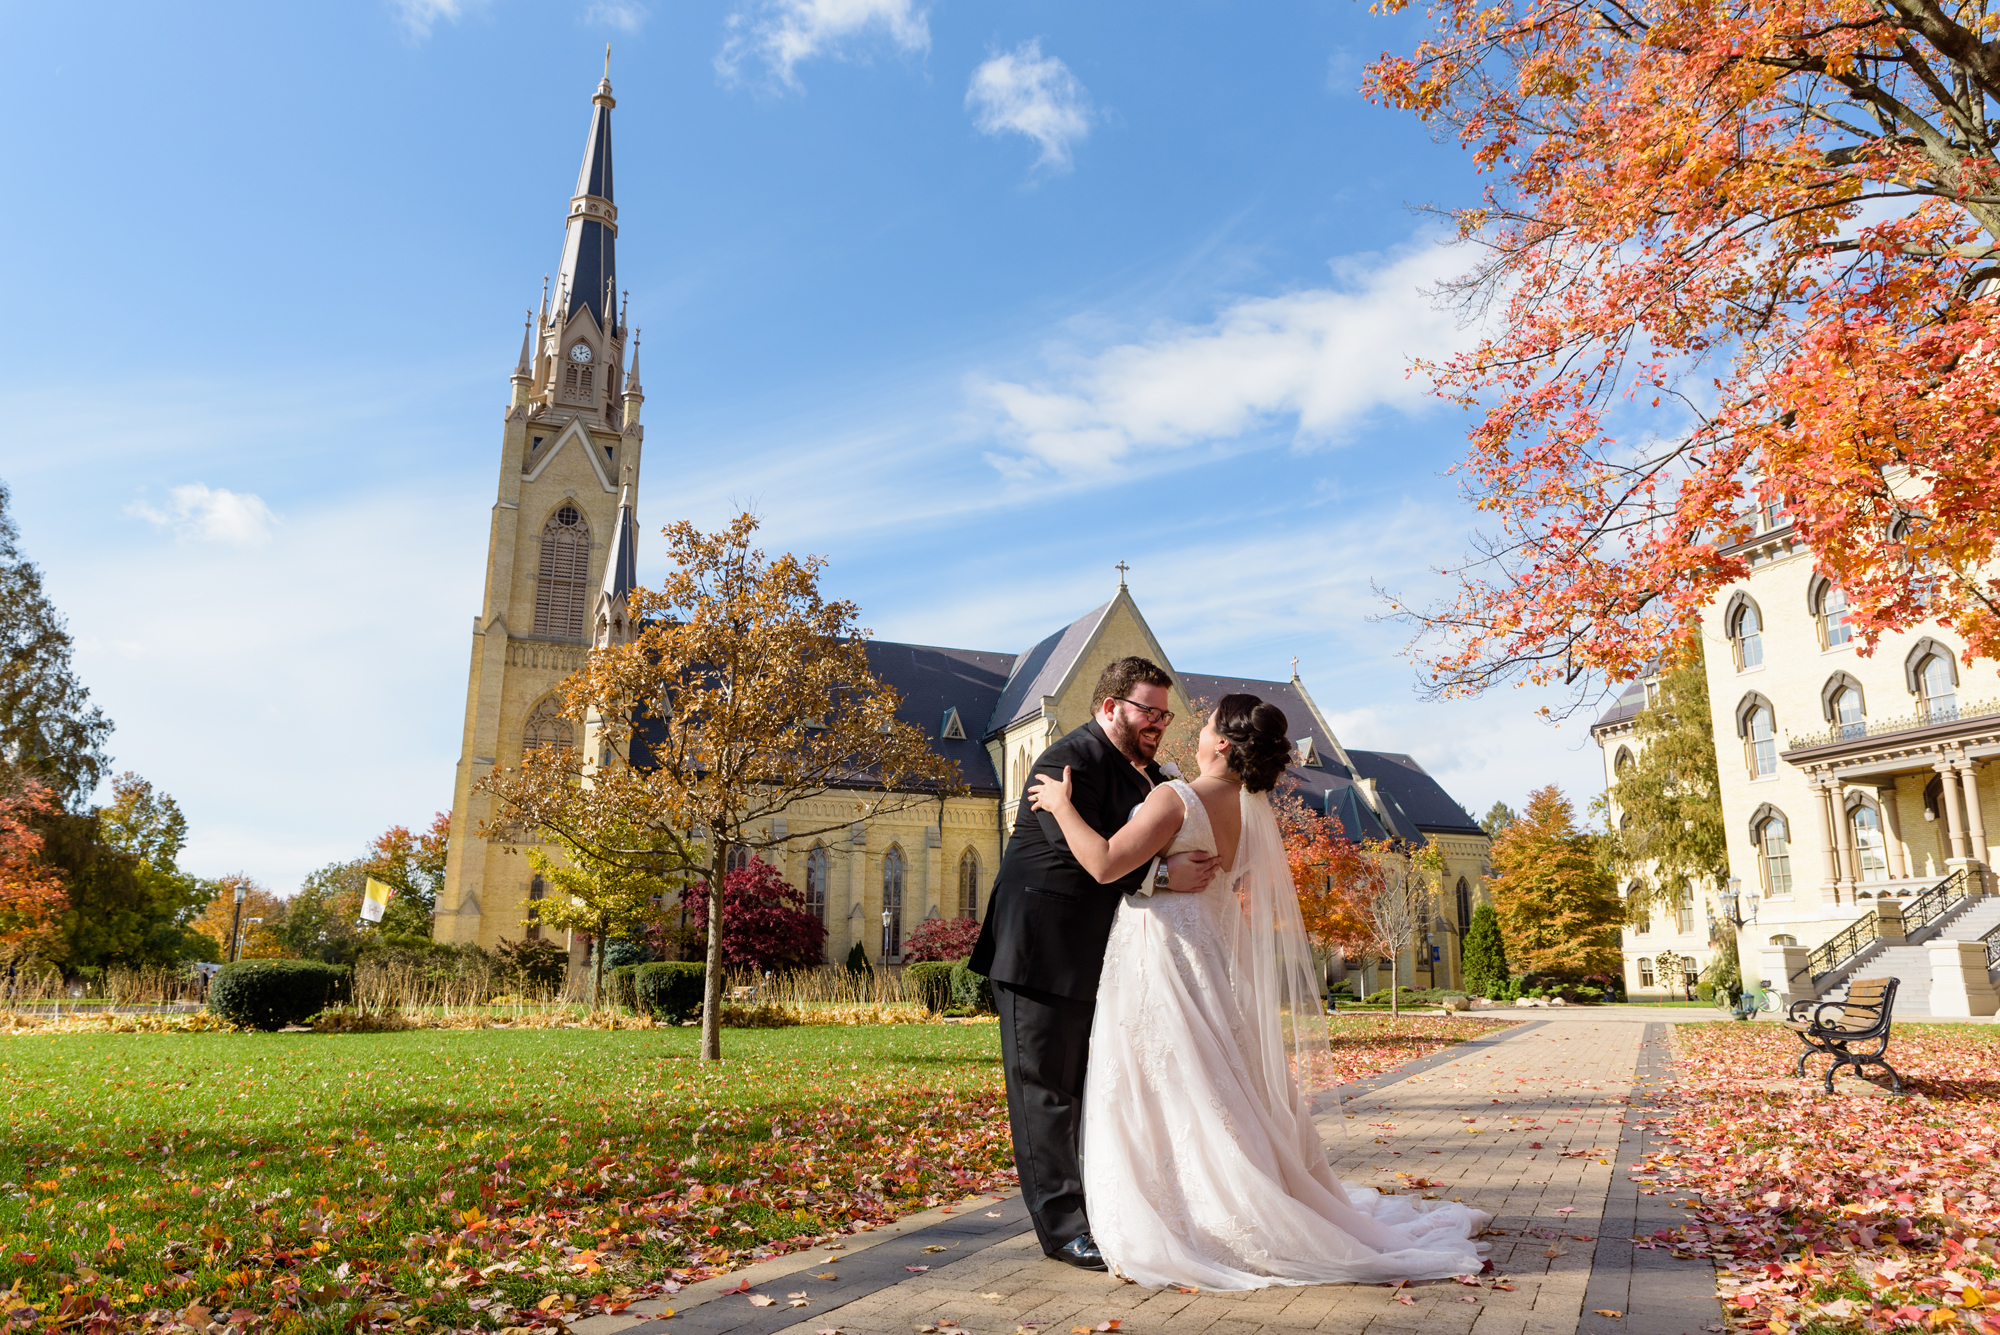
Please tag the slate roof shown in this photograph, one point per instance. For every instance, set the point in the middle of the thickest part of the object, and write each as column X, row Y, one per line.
column 1417, row 804
column 1628, row 704
column 932, row 680
column 1040, row 671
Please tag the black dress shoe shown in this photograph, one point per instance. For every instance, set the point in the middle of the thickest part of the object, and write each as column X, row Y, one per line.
column 1081, row 1252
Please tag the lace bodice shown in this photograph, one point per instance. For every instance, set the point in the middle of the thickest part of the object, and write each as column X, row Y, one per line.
column 1197, row 835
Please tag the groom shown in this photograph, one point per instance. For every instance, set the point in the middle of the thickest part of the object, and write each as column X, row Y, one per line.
column 1043, row 942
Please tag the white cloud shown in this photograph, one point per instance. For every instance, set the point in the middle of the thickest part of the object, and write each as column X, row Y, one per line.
column 786, row 33
column 197, row 513
column 1028, row 93
column 1324, row 358
column 624, row 15
column 420, row 16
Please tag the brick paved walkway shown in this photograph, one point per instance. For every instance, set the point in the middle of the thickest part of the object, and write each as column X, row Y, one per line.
column 1528, row 1125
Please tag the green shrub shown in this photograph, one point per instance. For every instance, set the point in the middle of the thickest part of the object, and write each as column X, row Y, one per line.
column 970, row 991
column 1704, row 991
column 857, row 959
column 670, row 990
column 270, row 994
column 1485, row 953
column 930, row 982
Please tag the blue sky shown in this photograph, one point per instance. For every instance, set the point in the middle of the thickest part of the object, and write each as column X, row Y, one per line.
column 975, row 299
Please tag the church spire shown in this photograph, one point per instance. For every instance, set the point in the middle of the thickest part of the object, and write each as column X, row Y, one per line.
column 590, row 257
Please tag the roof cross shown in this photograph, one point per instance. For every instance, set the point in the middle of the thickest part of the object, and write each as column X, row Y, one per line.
column 1121, row 568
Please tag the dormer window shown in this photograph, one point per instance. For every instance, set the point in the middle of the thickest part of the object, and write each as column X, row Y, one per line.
column 952, row 728
column 1308, row 754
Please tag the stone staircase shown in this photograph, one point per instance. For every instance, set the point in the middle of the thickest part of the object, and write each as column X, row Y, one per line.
column 1968, row 920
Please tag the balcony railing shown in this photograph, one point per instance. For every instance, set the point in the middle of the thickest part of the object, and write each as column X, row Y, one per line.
column 1928, row 717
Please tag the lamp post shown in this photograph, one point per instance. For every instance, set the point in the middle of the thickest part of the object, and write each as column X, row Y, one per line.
column 885, row 936
column 236, row 921
column 1730, row 899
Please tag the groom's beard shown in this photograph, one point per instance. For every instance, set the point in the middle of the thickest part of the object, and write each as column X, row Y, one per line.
column 1136, row 744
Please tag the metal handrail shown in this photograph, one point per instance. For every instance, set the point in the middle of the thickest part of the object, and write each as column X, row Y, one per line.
column 1935, row 902
column 1992, row 943
column 1841, row 947
column 1928, row 717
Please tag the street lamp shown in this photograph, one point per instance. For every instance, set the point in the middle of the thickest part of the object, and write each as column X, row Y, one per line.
column 886, row 952
column 1730, row 899
column 236, row 920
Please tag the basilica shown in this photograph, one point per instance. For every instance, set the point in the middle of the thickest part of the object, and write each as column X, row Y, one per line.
column 561, row 560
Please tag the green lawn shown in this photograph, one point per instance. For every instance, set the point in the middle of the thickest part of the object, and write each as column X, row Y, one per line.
column 479, row 1179
column 307, row 1177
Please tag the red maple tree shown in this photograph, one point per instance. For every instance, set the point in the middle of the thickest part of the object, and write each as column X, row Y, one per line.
column 765, row 924
column 1739, row 267
column 31, row 892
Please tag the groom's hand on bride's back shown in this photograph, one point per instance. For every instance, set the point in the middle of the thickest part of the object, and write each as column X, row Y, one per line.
column 1187, row 872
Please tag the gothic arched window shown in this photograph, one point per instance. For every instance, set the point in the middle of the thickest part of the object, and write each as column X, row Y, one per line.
column 735, row 859
column 1830, row 606
column 1848, row 713
column 892, row 903
column 1746, row 631
column 1938, row 685
column 1642, row 917
column 968, row 885
column 1774, row 855
column 547, row 727
column 562, row 580
column 1464, row 906
column 1760, row 741
column 538, row 890
column 818, row 865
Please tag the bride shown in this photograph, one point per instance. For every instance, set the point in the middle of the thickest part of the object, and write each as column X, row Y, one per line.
column 1201, row 1163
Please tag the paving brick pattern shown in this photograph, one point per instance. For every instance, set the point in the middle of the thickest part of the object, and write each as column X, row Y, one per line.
column 1529, row 1125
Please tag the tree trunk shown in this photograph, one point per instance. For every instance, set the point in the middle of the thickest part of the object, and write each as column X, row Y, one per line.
column 1395, row 988
column 597, row 980
column 711, row 990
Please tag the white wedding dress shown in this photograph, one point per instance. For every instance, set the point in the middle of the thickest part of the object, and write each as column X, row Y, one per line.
column 1201, row 1163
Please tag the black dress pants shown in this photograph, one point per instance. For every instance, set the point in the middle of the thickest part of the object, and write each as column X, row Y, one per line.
column 1044, row 1047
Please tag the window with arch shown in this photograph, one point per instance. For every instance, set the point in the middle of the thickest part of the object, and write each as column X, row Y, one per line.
column 736, row 859
column 1830, row 607
column 1774, row 855
column 1464, row 906
column 968, row 885
column 538, row 890
column 892, row 903
column 1684, row 912
column 1848, row 717
column 547, row 727
column 819, row 863
column 562, row 579
column 1622, row 763
column 1746, row 632
column 1646, row 973
column 1937, row 688
column 1870, row 844
column 1760, row 741
column 1642, row 917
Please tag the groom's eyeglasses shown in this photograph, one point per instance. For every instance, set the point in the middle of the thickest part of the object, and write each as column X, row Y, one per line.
column 1162, row 717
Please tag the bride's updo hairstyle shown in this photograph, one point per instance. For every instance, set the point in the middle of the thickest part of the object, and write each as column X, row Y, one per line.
column 1259, row 743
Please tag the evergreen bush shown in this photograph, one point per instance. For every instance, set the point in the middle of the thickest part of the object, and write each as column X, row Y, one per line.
column 970, row 992
column 671, row 989
column 930, row 982
column 857, row 959
column 270, row 994
column 1485, row 954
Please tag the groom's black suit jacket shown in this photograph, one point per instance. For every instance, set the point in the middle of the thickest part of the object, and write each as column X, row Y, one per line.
column 1048, row 920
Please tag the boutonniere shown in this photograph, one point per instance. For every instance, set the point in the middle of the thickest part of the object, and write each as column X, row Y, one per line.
column 1171, row 770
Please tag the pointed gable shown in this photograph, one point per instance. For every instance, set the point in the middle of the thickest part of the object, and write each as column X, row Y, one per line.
column 1043, row 669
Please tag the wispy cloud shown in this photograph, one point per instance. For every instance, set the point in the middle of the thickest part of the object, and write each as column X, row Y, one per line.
column 418, row 17
column 784, row 34
column 200, row 514
column 1025, row 92
column 624, row 15
column 1323, row 358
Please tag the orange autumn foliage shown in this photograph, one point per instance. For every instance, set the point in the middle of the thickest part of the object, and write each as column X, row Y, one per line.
column 1738, row 268
column 31, row 891
column 1333, row 874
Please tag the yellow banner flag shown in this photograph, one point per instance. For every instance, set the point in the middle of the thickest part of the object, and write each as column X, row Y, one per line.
column 375, row 900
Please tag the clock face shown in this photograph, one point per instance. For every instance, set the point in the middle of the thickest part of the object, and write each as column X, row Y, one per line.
column 580, row 352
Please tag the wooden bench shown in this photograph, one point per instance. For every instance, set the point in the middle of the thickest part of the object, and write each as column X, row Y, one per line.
column 1836, row 1028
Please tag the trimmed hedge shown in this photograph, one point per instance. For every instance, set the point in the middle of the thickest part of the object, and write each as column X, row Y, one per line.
column 270, row 994
column 670, row 989
column 969, row 991
column 930, row 982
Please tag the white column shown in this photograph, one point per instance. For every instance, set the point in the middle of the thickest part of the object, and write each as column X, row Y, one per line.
column 1975, row 820
column 1830, row 888
column 1850, row 866
column 1954, row 816
column 1892, row 831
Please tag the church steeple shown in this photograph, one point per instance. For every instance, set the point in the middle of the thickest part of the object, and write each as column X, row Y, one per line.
column 590, row 250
